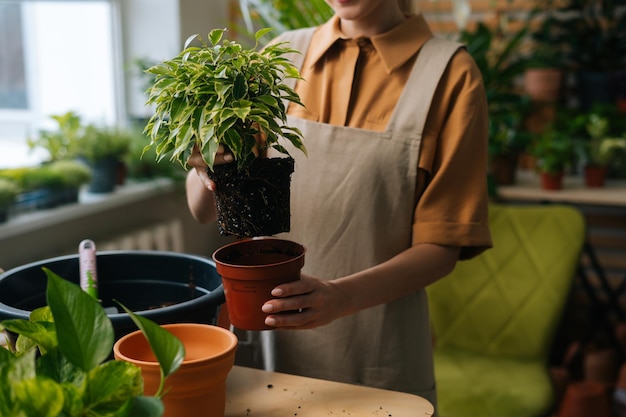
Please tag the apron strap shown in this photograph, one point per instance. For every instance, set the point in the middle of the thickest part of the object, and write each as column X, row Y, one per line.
column 414, row 103
column 409, row 117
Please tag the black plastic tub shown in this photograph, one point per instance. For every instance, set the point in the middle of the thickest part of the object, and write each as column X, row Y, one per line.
column 166, row 287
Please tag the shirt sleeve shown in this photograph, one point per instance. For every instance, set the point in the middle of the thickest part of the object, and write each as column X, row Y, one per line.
column 452, row 205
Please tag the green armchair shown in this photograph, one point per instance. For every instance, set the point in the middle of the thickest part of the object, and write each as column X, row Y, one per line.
column 494, row 317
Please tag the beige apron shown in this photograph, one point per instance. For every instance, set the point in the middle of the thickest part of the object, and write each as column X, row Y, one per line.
column 352, row 208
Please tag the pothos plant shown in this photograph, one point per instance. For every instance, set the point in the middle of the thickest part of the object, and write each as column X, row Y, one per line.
column 222, row 93
column 60, row 368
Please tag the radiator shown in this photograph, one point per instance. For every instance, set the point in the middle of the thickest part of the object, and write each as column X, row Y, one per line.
column 166, row 236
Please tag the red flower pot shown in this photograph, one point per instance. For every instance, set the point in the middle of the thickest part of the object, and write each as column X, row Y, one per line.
column 551, row 181
column 594, row 175
column 250, row 269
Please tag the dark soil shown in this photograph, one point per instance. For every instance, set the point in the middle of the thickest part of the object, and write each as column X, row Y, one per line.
column 255, row 201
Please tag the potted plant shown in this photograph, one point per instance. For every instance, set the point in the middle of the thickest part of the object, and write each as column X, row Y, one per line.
column 104, row 149
column 60, row 143
column 48, row 185
column 543, row 75
column 220, row 93
column 591, row 34
column 59, row 366
column 8, row 193
column 599, row 149
column 554, row 151
column 285, row 15
column 73, row 175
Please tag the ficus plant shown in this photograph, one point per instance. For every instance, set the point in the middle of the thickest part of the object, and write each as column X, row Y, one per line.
column 222, row 93
column 60, row 368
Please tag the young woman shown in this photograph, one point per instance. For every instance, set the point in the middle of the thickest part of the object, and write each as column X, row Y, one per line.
column 391, row 195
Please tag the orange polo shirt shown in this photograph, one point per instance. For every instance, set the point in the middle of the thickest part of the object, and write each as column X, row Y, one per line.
column 357, row 82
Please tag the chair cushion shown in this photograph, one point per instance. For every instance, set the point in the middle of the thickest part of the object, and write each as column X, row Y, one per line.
column 508, row 301
column 473, row 385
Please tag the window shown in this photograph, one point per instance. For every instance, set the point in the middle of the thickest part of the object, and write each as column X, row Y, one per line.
column 55, row 56
column 12, row 70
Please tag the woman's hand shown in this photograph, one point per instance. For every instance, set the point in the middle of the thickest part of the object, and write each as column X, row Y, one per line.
column 200, row 187
column 196, row 161
column 305, row 304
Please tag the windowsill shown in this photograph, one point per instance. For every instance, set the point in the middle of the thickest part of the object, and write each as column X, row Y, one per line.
column 89, row 204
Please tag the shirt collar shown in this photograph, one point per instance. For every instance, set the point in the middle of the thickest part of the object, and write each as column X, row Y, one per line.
column 395, row 47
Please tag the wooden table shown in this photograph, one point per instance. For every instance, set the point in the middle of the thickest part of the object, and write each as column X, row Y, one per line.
column 253, row 392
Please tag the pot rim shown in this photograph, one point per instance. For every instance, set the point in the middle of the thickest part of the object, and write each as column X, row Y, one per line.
column 298, row 257
column 217, row 293
column 234, row 341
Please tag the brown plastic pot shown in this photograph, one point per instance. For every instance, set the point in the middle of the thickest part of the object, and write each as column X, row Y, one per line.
column 595, row 175
column 543, row 84
column 551, row 181
column 199, row 385
column 250, row 269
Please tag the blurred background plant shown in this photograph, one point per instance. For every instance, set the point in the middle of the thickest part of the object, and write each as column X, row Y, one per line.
column 60, row 143
column 497, row 55
column 9, row 190
column 283, row 15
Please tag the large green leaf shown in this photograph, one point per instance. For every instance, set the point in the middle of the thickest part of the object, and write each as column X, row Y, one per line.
column 6, row 363
column 111, row 385
column 84, row 331
column 168, row 349
column 57, row 367
column 38, row 397
column 41, row 333
column 143, row 407
column 74, row 405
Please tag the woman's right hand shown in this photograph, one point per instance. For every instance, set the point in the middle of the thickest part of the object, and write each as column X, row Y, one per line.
column 199, row 165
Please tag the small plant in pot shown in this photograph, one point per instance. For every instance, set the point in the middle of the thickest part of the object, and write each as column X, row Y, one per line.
column 554, row 151
column 59, row 365
column 104, row 149
column 599, row 149
column 220, row 93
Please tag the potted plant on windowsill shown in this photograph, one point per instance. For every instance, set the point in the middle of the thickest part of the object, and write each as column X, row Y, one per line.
column 220, row 93
column 104, row 149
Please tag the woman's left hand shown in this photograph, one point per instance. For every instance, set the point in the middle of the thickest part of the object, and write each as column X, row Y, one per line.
column 305, row 304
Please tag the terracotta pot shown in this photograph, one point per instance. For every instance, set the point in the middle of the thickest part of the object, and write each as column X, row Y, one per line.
column 199, row 385
column 585, row 399
column 594, row 175
column 250, row 269
column 550, row 181
column 543, row 84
